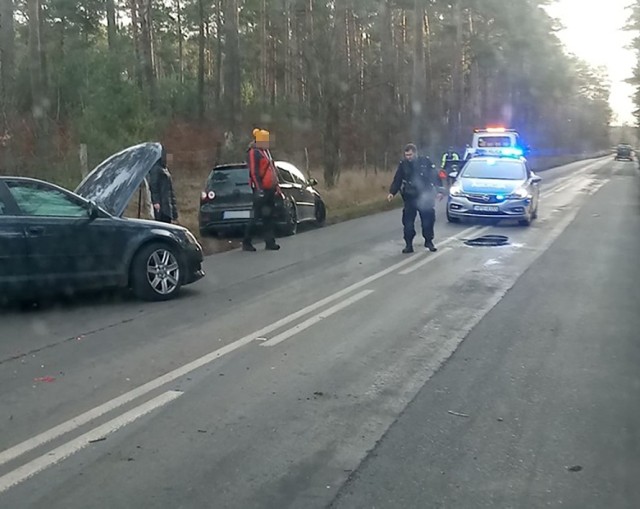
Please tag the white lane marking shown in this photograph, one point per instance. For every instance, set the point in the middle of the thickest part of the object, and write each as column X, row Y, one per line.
column 448, row 240
column 428, row 259
column 316, row 318
column 561, row 188
column 565, row 182
column 61, row 429
column 458, row 236
column 64, row 451
column 86, row 417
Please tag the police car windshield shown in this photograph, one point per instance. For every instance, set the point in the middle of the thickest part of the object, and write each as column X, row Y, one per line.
column 498, row 169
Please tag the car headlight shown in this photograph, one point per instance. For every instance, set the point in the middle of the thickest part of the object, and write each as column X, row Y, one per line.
column 519, row 194
column 456, row 190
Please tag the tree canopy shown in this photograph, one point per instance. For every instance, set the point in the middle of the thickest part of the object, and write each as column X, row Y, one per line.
column 347, row 79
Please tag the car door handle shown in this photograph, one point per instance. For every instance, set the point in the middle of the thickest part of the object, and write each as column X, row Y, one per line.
column 35, row 231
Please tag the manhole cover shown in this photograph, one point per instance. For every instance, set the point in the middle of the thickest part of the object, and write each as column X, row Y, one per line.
column 488, row 240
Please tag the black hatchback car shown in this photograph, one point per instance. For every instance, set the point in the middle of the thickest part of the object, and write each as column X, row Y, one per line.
column 53, row 241
column 226, row 202
column 624, row 152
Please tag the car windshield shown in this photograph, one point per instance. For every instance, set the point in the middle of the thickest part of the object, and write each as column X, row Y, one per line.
column 499, row 169
column 227, row 179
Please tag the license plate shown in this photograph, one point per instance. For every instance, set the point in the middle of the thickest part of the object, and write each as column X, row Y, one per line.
column 236, row 214
column 486, row 208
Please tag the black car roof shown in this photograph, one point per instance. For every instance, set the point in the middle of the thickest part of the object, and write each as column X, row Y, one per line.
column 230, row 166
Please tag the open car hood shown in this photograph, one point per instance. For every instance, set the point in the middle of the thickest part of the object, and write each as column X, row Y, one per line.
column 112, row 183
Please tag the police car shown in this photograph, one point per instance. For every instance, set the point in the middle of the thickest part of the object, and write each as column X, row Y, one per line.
column 498, row 186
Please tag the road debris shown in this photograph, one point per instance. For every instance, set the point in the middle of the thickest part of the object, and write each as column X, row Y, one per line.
column 95, row 440
column 488, row 240
column 457, row 413
column 45, row 379
column 574, row 468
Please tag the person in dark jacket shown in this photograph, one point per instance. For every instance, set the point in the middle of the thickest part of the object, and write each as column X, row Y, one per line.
column 418, row 182
column 263, row 179
column 163, row 197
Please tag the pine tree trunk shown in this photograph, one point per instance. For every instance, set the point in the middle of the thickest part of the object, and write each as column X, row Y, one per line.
column 218, row 91
column 145, row 11
column 39, row 101
column 7, row 62
column 418, row 84
column 135, row 29
column 111, row 24
column 232, row 84
column 180, row 41
column 201, row 46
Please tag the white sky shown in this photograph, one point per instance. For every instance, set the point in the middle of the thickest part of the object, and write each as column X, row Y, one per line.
column 594, row 33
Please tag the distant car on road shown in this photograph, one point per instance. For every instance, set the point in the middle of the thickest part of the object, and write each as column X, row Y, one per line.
column 624, row 152
column 494, row 187
column 226, row 201
column 53, row 241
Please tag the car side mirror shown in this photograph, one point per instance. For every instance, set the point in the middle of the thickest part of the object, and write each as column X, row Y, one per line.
column 453, row 175
column 535, row 179
column 93, row 211
column 313, row 182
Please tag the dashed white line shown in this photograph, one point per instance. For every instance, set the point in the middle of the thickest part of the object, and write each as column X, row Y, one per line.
column 64, row 451
column 428, row 259
column 82, row 419
column 316, row 318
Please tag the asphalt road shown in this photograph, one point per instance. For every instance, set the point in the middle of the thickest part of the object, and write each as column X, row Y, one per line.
column 317, row 374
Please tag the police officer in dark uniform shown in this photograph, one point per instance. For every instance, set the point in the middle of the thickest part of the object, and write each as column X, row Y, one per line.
column 418, row 182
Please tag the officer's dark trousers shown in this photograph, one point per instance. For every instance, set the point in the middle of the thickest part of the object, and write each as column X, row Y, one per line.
column 427, row 218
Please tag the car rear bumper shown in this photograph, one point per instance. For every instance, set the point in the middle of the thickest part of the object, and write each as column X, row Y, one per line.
column 214, row 220
column 460, row 207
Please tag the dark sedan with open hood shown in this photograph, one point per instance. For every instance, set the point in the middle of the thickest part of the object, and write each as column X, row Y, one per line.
column 53, row 241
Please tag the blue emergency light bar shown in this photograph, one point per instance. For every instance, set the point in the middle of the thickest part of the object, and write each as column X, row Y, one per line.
column 512, row 151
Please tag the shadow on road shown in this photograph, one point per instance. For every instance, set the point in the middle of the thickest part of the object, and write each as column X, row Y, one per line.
column 107, row 299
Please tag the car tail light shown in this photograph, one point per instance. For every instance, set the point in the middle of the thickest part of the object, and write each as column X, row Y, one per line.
column 207, row 196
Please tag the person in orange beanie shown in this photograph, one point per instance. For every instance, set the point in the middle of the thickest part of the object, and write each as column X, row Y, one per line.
column 263, row 178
